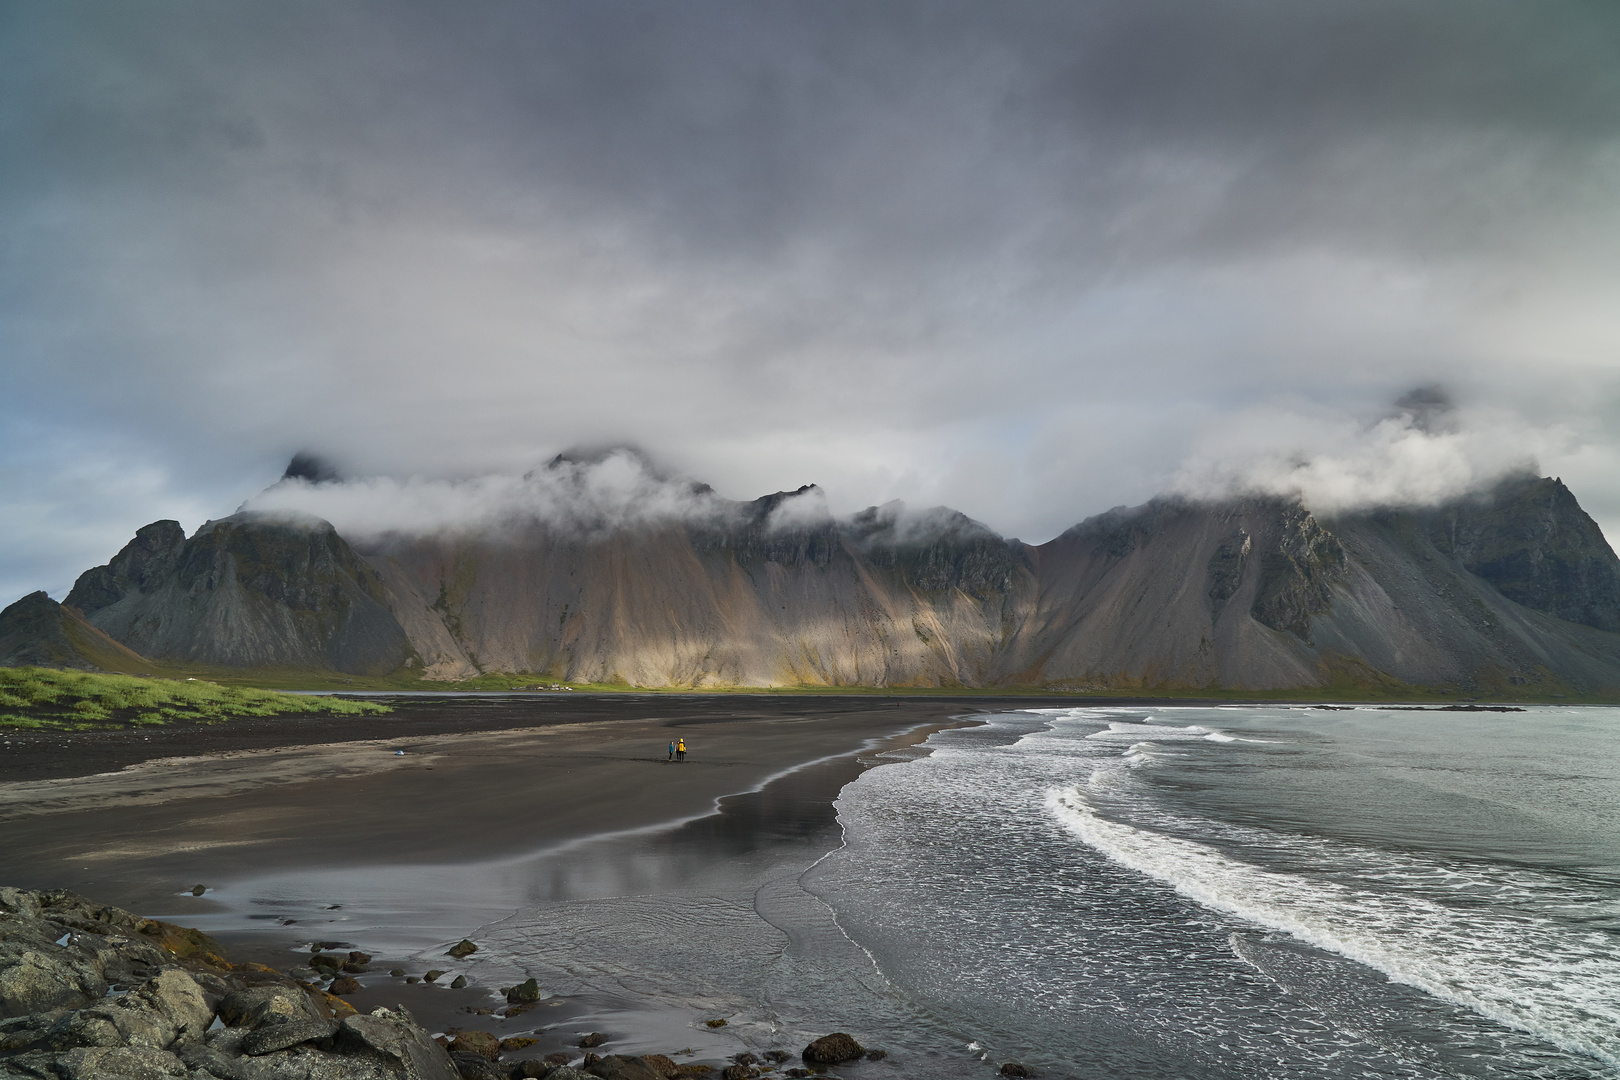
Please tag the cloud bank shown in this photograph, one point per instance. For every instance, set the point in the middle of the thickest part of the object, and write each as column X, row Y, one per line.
column 617, row 489
column 1424, row 452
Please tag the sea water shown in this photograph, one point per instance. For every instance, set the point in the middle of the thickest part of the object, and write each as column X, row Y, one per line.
column 1249, row 892
column 1096, row 892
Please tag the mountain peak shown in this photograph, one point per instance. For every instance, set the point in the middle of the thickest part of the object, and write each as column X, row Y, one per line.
column 311, row 467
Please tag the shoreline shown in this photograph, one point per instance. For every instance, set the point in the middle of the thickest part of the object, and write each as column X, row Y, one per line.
column 145, row 814
column 484, row 819
column 763, row 839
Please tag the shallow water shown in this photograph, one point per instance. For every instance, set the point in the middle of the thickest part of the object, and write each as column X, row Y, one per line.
column 1176, row 892
column 1252, row 892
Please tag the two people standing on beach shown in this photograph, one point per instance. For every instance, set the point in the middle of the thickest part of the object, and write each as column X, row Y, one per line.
column 677, row 750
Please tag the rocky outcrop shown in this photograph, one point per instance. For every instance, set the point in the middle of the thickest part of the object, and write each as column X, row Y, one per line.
column 1532, row 541
column 1297, row 574
column 1225, row 570
column 89, row 992
column 246, row 591
column 36, row 631
column 143, row 566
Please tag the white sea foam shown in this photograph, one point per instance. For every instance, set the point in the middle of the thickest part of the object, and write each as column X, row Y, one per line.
column 1553, row 981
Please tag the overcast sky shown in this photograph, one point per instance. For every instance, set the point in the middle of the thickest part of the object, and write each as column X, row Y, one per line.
column 1030, row 260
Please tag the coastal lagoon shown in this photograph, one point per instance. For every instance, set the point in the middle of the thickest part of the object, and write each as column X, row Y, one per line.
column 1147, row 891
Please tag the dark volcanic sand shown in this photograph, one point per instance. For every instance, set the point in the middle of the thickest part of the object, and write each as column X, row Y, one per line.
column 135, row 817
column 131, row 817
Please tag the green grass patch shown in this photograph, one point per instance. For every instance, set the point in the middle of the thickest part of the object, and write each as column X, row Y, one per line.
column 47, row 698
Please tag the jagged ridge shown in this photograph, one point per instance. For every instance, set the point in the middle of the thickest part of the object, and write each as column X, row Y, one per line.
column 1516, row 586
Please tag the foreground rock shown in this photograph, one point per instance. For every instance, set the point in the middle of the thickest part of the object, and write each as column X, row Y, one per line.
column 89, row 992
column 834, row 1049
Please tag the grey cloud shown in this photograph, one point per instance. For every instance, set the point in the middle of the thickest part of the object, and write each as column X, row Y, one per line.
column 1029, row 260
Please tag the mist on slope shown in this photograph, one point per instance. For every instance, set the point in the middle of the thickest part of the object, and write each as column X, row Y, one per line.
column 1423, row 450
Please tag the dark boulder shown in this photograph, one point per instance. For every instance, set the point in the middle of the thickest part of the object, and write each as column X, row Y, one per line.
column 1016, row 1070
column 524, row 993
column 834, row 1049
column 461, row 949
column 396, row 1036
column 268, row 1038
column 595, row 1038
column 266, row 1005
column 470, row 1066
column 614, row 1067
column 476, row 1042
column 663, row 1065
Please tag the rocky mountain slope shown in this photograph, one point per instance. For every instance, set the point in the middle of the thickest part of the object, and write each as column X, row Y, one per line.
column 36, row 631
column 245, row 591
column 1513, row 587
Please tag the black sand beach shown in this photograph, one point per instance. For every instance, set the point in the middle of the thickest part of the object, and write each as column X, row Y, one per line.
column 136, row 818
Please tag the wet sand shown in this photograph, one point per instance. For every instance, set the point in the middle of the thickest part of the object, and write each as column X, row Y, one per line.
column 503, row 818
column 133, row 818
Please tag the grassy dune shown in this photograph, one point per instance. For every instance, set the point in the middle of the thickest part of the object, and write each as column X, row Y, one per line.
column 46, row 698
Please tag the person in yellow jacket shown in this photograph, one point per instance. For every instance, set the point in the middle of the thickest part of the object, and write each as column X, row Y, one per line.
column 680, row 750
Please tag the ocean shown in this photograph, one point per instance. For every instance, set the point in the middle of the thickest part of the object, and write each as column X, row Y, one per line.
column 1250, row 891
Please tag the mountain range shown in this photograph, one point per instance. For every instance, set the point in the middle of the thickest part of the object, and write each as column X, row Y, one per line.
column 1513, row 587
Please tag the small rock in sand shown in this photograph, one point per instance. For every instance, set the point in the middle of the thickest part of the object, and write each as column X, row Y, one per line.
column 595, row 1038
column 198, row 890
column 833, row 1049
column 477, row 1042
column 345, row 984
column 433, row 976
column 458, row 982
column 461, row 948
column 524, row 993
column 662, row 1065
